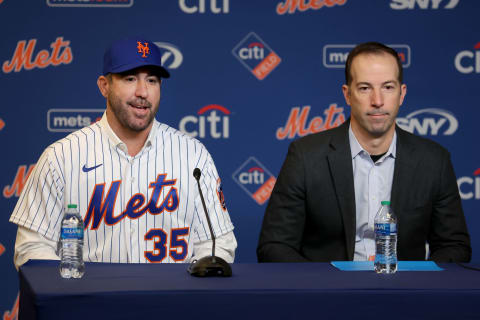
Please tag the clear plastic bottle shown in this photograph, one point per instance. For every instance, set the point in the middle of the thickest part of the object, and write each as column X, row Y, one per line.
column 71, row 244
column 385, row 240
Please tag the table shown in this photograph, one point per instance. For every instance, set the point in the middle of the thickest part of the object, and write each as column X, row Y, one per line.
column 256, row 291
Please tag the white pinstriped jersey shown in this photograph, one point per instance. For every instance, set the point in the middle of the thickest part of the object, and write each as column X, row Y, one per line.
column 136, row 209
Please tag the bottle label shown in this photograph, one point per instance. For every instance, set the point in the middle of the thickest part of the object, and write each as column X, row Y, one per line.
column 72, row 233
column 385, row 229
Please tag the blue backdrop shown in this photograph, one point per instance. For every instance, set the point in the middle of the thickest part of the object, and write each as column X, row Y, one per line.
column 248, row 77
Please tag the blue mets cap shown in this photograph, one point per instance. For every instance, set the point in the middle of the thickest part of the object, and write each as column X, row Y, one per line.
column 128, row 54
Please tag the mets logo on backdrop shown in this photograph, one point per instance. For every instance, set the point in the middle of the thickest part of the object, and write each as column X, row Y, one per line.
column 290, row 6
column 90, row 3
column 12, row 314
column 255, row 180
column 18, row 182
column 23, row 57
column 335, row 55
column 256, row 56
column 2, row 124
column 298, row 124
column 69, row 120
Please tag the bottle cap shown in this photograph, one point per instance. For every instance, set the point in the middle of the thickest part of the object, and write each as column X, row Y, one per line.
column 72, row 206
column 385, row 203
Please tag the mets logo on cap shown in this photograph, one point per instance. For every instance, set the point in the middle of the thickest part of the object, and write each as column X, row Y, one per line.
column 143, row 48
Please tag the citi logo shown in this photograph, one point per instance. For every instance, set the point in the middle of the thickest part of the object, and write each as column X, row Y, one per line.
column 469, row 187
column 69, row 120
column 255, row 180
column 468, row 61
column 21, row 177
column 172, row 57
column 23, row 57
column 255, row 55
column 253, row 51
column 90, row 3
column 335, row 55
column 430, row 121
column 198, row 6
column 423, row 4
column 290, row 6
column 213, row 117
column 254, row 175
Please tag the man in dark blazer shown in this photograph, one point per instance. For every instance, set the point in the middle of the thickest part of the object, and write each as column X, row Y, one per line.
column 315, row 206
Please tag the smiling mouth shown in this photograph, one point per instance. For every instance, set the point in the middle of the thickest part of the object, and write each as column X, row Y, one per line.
column 141, row 107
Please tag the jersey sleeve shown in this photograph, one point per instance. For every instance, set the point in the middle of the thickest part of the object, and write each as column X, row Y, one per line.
column 211, row 185
column 39, row 207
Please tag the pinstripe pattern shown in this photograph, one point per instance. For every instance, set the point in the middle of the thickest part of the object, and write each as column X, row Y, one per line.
column 58, row 179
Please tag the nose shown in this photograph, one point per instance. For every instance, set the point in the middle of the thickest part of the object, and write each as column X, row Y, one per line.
column 141, row 90
column 377, row 98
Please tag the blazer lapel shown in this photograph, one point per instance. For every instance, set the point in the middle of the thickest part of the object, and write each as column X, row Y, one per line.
column 340, row 162
column 403, row 174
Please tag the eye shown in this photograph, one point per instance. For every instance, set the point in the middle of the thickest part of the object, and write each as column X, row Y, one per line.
column 389, row 87
column 363, row 88
column 153, row 80
column 129, row 78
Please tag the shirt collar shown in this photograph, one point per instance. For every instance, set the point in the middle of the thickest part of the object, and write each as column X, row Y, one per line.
column 356, row 148
column 119, row 143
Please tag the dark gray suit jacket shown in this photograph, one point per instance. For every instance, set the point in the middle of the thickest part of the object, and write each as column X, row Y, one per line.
column 311, row 212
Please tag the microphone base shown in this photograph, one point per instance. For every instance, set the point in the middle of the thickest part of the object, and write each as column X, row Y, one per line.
column 210, row 266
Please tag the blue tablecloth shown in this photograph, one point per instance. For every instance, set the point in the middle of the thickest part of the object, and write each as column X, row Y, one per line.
column 256, row 291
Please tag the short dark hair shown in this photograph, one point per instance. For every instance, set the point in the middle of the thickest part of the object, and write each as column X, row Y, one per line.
column 371, row 48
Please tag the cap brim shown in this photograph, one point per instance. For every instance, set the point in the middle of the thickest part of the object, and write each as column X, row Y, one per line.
column 161, row 71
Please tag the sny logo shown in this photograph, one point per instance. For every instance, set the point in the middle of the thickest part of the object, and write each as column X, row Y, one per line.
column 195, row 126
column 214, row 8
column 472, row 188
column 69, row 120
column 256, row 56
column 297, row 122
column 430, row 121
column 18, row 182
column 255, row 180
column 464, row 60
column 170, row 51
column 423, row 4
column 290, row 6
column 335, row 55
column 143, row 49
column 22, row 57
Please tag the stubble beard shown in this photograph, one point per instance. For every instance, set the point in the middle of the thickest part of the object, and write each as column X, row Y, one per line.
column 127, row 119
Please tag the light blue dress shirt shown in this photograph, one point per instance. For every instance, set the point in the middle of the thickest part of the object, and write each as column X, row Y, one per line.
column 373, row 184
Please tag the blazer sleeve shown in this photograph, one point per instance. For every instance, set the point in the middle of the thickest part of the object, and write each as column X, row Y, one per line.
column 448, row 239
column 284, row 220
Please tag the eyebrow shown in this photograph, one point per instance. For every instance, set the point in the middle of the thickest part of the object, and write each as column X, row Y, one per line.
column 383, row 83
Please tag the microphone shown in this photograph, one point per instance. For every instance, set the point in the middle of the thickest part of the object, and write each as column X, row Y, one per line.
column 211, row 266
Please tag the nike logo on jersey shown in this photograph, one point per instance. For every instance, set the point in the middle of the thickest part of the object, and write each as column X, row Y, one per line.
column 85, row 169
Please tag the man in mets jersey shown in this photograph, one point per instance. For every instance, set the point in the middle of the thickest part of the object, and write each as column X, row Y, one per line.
column 130, row 176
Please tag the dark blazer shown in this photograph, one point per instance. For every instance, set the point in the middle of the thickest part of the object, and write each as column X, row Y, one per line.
column 311, row 212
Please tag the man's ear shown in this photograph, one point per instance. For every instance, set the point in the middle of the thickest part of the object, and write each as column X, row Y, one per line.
column 346, row 93
column 103, row 85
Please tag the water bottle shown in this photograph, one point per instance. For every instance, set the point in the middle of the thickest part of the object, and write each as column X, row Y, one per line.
column 71, row 244
column 385, row 240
